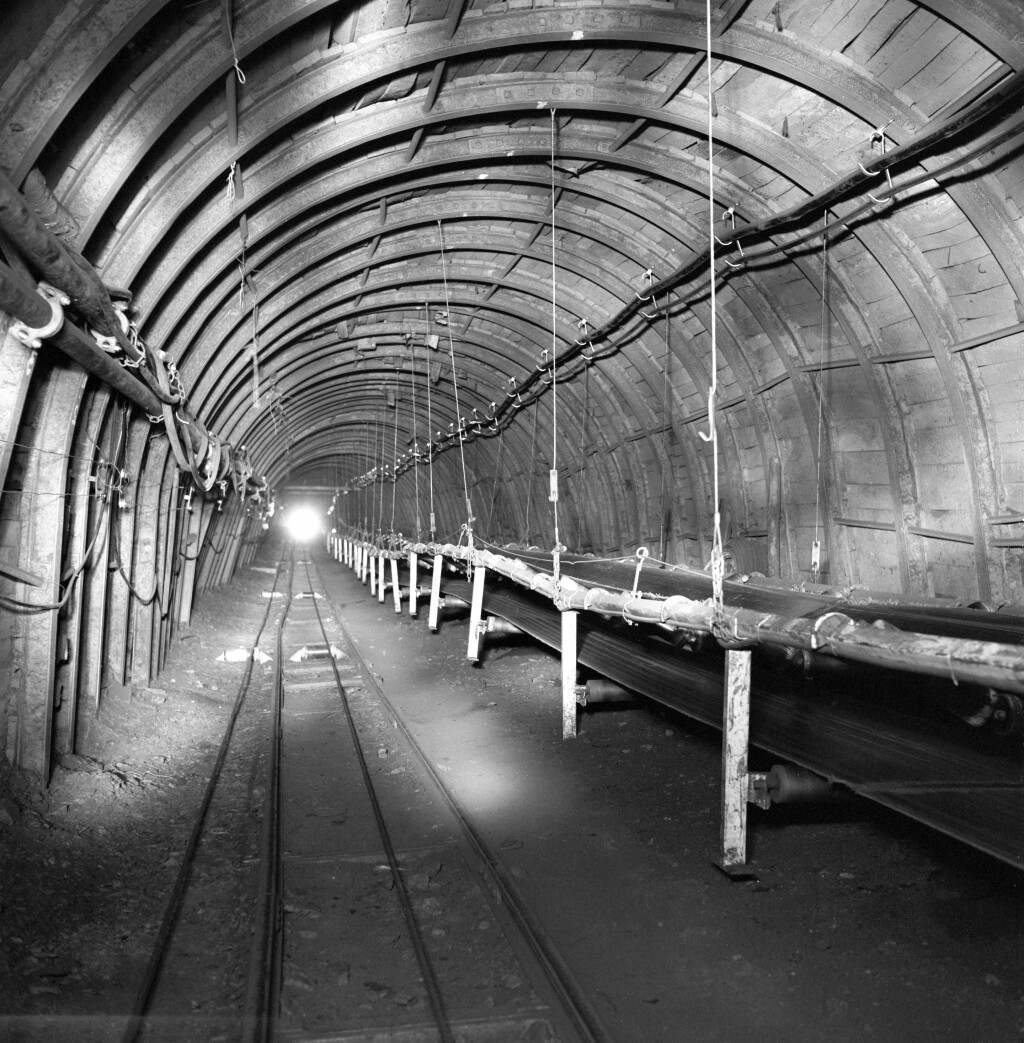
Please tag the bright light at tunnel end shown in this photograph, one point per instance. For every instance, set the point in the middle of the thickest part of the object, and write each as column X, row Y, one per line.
column 303, row 524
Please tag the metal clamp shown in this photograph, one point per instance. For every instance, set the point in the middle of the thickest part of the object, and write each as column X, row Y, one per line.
column 33, row 337
column 641, row 556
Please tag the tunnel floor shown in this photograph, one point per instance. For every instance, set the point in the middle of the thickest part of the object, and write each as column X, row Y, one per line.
column 859, row 924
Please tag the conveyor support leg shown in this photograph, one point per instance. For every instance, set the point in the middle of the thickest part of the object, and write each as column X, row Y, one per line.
column 372, row 559
column 476, row 613
column 735, row 780
column 570, row 690
column 396, row 590
column 414, row 568
column 435, row 593
column 380, row 578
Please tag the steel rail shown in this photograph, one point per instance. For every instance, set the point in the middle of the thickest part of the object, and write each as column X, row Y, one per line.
column 147, row 988
column 573, row 1000
column 263, row 986
column 430, row 982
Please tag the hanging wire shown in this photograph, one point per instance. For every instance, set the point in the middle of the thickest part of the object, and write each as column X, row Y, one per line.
column 255, row 355
column 371, row 487
column 229, row 22
column 497, row 472
column 430, row 454
column 394, row 484
column 380, row 474
column 229, row 192
column 455, row 385
column 826, row 331
column 529, row 482
column 666, row 408
column 553, row 494
column 415, row 442
column 717, row 553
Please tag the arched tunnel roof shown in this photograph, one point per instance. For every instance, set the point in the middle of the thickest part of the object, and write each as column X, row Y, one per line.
column 334, row 218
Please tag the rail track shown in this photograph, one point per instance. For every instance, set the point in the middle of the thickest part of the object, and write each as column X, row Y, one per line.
column 371, row 907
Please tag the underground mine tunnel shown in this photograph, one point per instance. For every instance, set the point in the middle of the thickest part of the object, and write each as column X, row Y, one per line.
column 512, row 520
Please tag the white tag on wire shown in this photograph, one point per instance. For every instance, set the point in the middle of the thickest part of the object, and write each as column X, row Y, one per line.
column 553, row 480
column 816, row 557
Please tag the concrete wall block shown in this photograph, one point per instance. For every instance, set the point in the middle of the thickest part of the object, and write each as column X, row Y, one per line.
column 867, row 467
column 985, row 303
column 942, row 487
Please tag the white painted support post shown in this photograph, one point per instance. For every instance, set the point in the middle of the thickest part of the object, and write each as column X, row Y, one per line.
column 435, row 593
column 735, row 784
column 373, row 573
column 396, row 590
column 476, row 613
column 344, row 551
column 569, row 691
column 414, row 562
column 380, row 577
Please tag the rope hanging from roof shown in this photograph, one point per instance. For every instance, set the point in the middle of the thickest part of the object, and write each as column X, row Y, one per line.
column 530, row 477
column 717, row 554
column 553, row 491
column 381, row 472
column 430, row 445
column 826, row 341
column 415, row 441
column 394, row 473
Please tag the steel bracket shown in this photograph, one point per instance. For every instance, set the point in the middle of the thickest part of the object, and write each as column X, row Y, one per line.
column 757, row 789
column 33, row 337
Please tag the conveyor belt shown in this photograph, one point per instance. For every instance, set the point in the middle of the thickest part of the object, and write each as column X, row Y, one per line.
column 924, row 768
column 1005, row 627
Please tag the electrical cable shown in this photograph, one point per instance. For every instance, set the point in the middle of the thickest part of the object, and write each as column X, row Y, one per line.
column 794, row 216
column 17, row 606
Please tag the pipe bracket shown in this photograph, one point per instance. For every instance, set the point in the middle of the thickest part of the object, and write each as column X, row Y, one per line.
column 34, row 337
